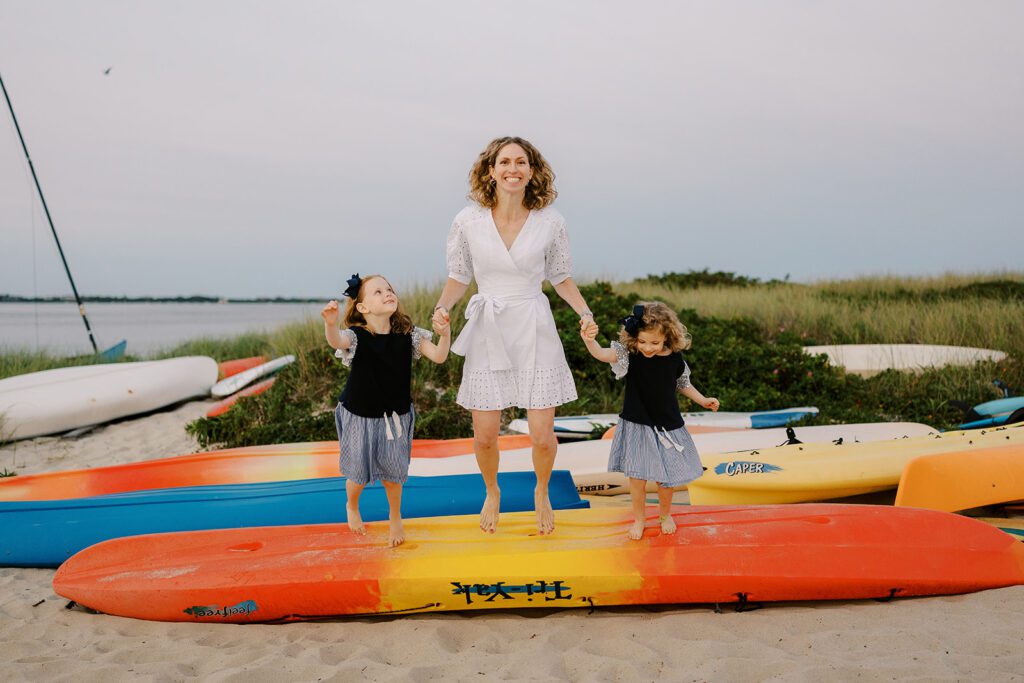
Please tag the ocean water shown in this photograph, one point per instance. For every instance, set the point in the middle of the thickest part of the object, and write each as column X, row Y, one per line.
column 149, row 327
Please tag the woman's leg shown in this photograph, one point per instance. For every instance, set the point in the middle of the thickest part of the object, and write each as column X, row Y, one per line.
column 545, row 446
column 396, row 534
column 668, row 525
column 638, row 496
column 485, row 444
column 352, row 493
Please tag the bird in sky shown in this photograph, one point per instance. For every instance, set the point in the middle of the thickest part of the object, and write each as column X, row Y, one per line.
column 106, row 72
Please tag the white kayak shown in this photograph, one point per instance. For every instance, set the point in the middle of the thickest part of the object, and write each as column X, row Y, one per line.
column 230, row 385
column 870, row 359
column 56, row 401
column 587, row 461
column 582, row 426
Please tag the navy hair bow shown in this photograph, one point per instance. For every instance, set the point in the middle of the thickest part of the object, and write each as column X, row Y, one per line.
column 634, row 322
column 354, row 283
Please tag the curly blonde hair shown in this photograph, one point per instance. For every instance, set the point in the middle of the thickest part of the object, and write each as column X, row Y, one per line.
column 401, row 323
column 540, row 191
column 661, row 317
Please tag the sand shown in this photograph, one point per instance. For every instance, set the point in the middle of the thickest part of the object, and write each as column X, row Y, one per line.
column 975, row 637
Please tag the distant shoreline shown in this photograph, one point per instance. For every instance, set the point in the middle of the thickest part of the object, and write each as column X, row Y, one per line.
column 9, row 299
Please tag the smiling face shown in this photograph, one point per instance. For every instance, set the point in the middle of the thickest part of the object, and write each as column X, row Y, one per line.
column 650, row 342
column 376, row 297
column 511, row 171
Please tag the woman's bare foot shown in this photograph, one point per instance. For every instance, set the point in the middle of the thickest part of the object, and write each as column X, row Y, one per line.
column 668, row 525
column 396, row 534
column 636, row 531
column 545, row 515
column 489, row 512
column 355, row 520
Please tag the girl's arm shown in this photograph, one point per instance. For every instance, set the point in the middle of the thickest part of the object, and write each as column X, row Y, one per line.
column 334, row 336
column 451, row 294
column 691, row 393
column 438, row 352
column 589, row 333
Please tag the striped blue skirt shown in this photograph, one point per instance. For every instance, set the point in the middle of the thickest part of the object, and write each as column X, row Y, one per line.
column 639, row 453
column 367, row 455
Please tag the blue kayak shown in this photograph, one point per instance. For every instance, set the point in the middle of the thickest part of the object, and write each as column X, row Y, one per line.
column 45, row 533
column 993, row 413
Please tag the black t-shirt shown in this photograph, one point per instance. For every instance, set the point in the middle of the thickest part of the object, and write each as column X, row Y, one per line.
column 381, row 375
column 651, row 390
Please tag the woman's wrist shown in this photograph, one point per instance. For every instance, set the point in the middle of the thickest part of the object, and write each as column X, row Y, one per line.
column 586, row 313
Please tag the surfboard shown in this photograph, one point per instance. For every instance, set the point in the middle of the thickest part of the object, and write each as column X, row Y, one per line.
column 46, row 533
column 718, row 554
column 224, row 405
column 870, row 359
column 59, row 400
column 808, row 472
column 279, row 462
column 234, row 383
column 233, row 367
column 960, row 481
column 583, row 426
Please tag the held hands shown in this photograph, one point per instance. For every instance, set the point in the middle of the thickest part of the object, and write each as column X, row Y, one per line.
column 588, row 329
column 711, row 403
column 441, row 317
column 442, row 328
column 330, row 313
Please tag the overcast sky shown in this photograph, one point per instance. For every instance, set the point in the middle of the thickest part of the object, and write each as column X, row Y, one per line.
column 262, row 149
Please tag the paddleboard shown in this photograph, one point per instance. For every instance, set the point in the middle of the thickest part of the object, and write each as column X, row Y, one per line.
column 806, row 472
column 234, row 383
column 45, row 533
column 719, row 554
column 960, row 481
column 870, row 359
column 583, row 426
column 279, row 462
column 59, row 400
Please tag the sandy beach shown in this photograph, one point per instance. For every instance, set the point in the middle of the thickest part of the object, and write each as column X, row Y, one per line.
column 973, row 637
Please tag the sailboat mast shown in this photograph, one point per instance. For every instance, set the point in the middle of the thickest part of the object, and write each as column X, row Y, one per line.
column 46, row 209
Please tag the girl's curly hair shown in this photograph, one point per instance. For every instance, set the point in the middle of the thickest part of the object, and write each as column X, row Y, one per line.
column 540, row 191
column 401, row 323
column 661, row 317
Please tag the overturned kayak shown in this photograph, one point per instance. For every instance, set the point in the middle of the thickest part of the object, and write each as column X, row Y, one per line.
column 45, row 533
column 63, row 399
column 719, row 554
column 960, row 481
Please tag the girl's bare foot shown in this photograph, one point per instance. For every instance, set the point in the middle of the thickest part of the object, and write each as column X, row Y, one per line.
column 489, row 512
column 668, row 525
column 396, row 534
column 355, row 520
column 545, row 515
column 636, row 531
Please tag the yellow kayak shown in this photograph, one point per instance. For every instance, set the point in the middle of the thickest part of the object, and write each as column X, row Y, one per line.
column 809, row 472
column 960, row 481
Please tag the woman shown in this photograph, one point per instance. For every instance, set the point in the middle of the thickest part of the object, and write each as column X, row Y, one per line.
column 511, row 240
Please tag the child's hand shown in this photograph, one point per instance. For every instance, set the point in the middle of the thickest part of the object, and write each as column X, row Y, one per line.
column 712, row 404
column 330, row 313
column 588, row 329
column 442, row 328
column 440, row 317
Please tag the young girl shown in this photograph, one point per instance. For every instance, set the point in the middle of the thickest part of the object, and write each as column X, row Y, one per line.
column 651, row 443
column 375, row 416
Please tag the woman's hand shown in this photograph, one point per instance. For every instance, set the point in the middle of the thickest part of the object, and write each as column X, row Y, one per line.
column 441, row 317
column 711, row 403
column 588, row 329
column 330, row 313
column 443, row 327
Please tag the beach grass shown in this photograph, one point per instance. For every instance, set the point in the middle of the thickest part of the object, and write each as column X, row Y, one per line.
column 747, row 351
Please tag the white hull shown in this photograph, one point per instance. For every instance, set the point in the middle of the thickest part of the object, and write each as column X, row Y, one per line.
column 871, row 359
column 55, row 401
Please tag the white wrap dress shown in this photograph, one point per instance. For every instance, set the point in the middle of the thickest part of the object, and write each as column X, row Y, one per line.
column 513, row 354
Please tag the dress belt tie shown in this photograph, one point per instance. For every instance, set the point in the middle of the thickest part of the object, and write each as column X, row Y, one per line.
column 387, row 427
column 480, row 314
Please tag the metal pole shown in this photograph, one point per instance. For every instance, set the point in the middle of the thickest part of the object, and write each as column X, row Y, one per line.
column 46, row 209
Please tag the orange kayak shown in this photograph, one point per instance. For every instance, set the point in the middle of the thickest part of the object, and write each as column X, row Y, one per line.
column 718, row 554
column 233, row 367
column 960, row 481
column 281, row 462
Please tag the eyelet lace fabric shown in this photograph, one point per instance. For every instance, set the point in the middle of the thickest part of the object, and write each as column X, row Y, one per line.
column 557, row 257
column 458, row 255
column 528, row 389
